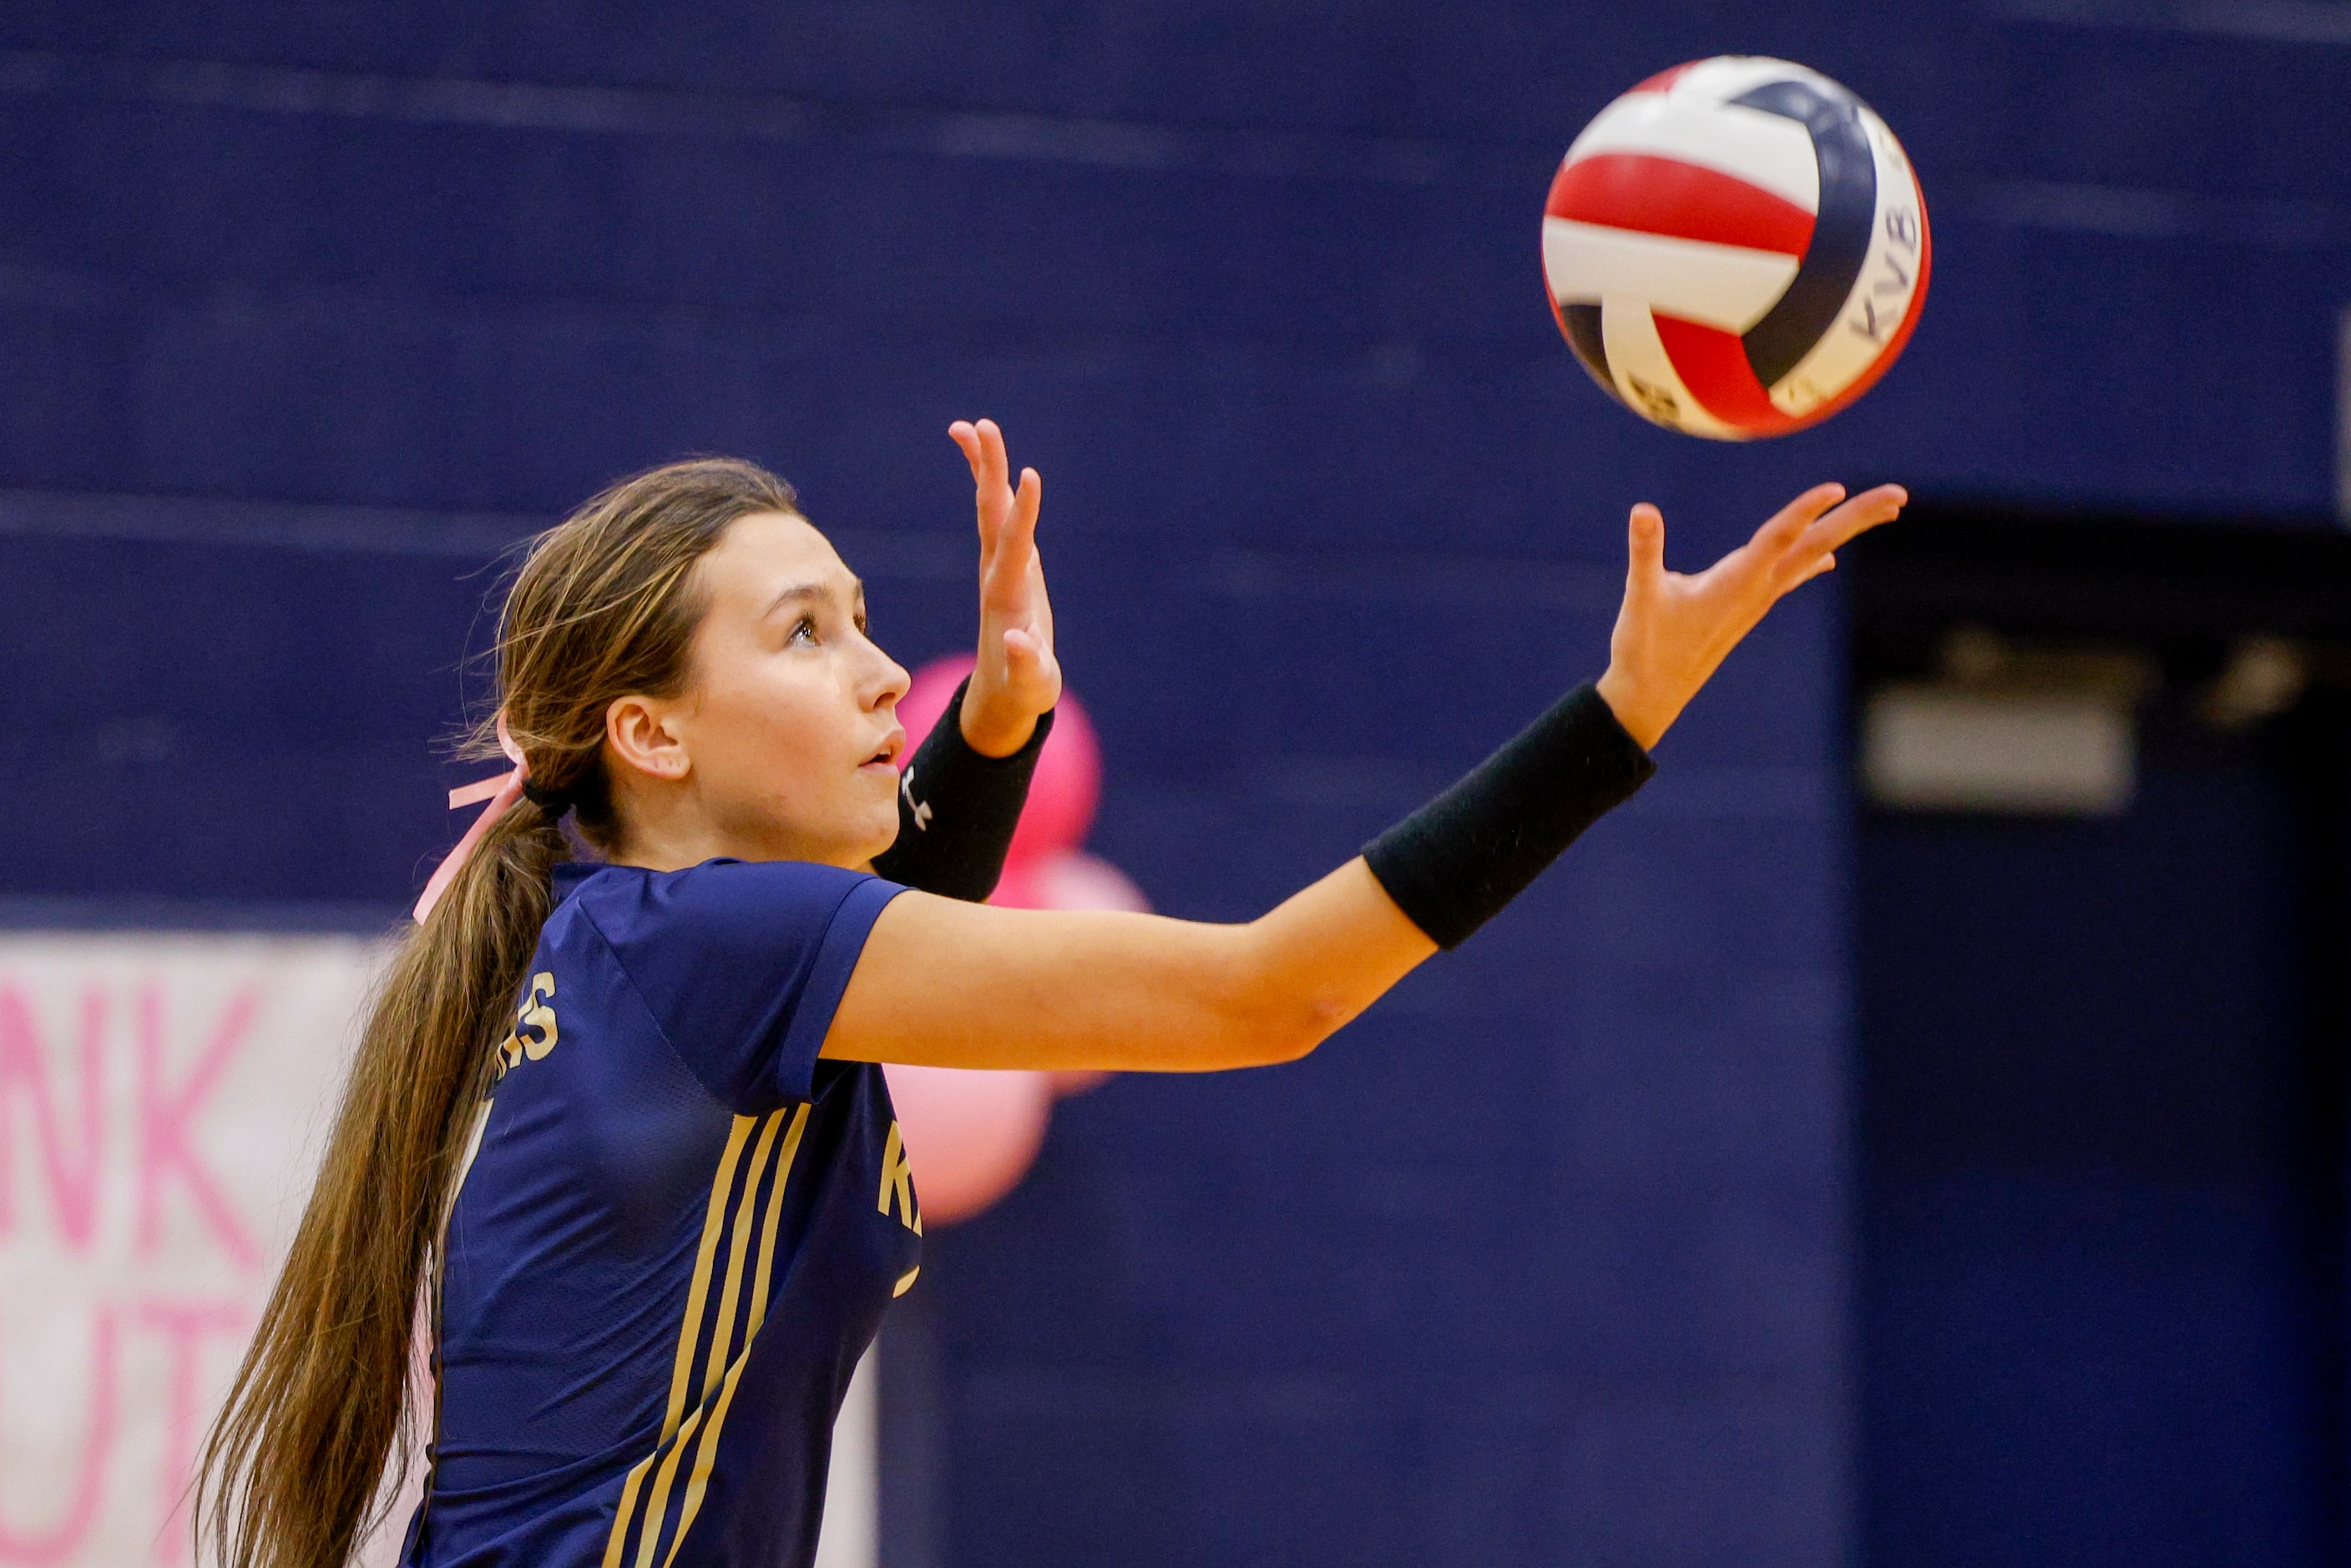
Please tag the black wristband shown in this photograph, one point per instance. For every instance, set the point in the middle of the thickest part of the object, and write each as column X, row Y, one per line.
column 1454, row 863
column 956, row 810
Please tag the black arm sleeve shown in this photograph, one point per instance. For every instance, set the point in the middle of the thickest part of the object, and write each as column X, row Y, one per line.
column 1454, row 863
column 957, row 811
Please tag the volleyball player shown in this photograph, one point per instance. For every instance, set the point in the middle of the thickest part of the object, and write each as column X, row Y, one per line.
column 628, row 1109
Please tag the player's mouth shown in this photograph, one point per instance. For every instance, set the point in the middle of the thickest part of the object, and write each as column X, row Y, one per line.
column 886, row 759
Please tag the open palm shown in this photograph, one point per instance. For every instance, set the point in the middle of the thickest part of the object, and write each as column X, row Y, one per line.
column 1673, row 629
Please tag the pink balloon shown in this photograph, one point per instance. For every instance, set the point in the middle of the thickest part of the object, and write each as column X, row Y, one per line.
column 1068, row 783
column 1071, row 880
column 971, row 1136
column 926, row 698
column 1075, row 880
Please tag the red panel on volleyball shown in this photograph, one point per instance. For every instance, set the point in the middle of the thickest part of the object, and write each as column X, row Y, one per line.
column 1656, row 195
column 1713, row 365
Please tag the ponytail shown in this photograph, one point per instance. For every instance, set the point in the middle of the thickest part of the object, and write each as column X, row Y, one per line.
column 294, row 1473
column 319, row 1431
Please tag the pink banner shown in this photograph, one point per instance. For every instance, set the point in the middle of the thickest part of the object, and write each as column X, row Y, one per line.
column 161, row 1102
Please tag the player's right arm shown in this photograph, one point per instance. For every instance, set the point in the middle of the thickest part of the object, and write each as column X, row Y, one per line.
column 944, row 984
column 954, row 984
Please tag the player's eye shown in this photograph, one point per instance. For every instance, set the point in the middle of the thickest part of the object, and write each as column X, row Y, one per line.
column 803, row 631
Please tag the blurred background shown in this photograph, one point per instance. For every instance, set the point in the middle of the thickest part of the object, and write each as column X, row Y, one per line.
column 1912, row 1133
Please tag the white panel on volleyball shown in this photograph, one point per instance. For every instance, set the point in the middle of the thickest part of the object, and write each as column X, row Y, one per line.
column 1725, row 76
column 1768, row 151
column 1644, row 376
column 1881, row 296
column 1724, row 285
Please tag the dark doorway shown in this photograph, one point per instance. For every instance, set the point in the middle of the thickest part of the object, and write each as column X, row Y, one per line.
column 2103, row 1111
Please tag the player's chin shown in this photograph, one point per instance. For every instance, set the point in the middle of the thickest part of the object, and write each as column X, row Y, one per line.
column 877, row 811
column 877, row 787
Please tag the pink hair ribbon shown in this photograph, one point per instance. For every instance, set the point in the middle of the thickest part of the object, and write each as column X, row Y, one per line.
column 501, row 791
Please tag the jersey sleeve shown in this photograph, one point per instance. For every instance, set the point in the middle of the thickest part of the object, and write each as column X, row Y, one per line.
column 742, row 965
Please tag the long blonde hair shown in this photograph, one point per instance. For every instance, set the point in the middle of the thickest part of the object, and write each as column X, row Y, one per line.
column 318, row 1427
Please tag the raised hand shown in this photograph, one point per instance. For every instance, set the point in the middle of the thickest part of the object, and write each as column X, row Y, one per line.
column 1675, row 630
column 1018, row 678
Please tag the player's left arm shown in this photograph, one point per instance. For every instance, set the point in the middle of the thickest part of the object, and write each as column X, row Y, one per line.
column 961, row 795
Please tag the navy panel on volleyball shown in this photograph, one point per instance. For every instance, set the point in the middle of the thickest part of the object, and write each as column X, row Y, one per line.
column 1737, row 248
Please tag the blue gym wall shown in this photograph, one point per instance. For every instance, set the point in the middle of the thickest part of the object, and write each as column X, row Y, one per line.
column 305, row 309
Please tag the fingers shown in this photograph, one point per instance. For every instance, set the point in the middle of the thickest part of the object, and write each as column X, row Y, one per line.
column 966, row 438
column 1645, row 547
column 1028, row 653
column 1024, row 652
column 983, row 448
column 1026, row 503
column 1030, row 670
column 1037, row 602
column 991, row 442
column 1858, row 517
column 1788, row 523
column 1008, row 552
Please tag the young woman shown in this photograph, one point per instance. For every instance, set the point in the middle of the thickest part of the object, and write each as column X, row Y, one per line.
column 627, row 1112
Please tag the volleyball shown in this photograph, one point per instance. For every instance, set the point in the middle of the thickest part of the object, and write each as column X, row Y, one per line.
column 1737, row 247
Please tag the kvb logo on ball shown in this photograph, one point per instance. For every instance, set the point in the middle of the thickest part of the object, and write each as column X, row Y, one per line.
column 162, row 1099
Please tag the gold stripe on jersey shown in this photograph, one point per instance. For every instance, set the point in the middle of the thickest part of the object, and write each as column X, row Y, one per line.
column 721, row 1339
column 714, row 1227
column 706, row 1457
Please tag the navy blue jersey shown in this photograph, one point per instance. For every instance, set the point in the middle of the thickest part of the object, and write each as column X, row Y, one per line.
column 676, row 1234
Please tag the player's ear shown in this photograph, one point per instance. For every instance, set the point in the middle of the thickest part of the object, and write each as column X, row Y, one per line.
column 639, row 735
